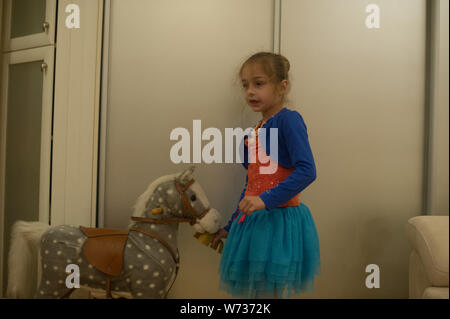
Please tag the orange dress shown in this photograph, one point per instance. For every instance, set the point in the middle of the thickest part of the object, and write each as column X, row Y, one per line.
column 259, row 183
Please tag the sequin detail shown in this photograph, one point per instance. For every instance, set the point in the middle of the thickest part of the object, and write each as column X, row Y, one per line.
column 259, row 183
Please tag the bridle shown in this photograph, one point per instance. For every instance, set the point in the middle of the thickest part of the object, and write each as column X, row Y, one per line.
column 188, row 214
column 187, row 203
column 188, row 210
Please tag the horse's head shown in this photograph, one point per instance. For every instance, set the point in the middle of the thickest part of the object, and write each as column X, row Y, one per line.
column 179, row 196
column 195, row 200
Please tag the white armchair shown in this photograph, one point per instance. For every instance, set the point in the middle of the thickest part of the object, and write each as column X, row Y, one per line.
column 428, row 262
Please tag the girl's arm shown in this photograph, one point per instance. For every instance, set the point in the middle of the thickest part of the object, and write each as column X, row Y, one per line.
column 236, row 213
column 245, row 162
column 295, row 137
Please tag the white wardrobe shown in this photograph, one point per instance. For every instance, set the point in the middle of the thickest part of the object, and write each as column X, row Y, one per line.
column 50, row 83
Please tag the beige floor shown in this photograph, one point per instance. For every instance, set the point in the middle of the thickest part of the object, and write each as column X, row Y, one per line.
column 80, row 294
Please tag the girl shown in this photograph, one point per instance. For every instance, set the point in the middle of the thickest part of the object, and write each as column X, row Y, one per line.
column 272, row 247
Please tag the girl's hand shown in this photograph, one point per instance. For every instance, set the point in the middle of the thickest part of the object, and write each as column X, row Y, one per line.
column 251, row 203
column 222, row 233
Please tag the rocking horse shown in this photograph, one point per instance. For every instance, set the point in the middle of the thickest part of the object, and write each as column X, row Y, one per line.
column 141, row 261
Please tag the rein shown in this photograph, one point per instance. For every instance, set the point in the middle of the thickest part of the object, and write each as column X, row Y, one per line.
column 187, row 208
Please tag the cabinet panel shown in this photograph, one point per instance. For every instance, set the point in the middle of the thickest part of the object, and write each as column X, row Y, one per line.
column 25, row 140
column 23, row 147
column 28, row 24
column 27, row 17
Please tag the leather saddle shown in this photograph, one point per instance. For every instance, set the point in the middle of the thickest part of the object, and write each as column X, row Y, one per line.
column 104, row 248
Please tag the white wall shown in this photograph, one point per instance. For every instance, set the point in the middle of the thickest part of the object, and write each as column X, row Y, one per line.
column 362, row 92
column 172, row 62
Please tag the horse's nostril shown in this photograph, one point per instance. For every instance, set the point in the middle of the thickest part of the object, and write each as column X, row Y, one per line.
column 193, row 198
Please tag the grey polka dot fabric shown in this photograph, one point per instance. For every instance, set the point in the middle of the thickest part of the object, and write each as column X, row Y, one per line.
column 149, row 269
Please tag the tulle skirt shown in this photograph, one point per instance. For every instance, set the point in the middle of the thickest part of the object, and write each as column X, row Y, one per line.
column 271, row 251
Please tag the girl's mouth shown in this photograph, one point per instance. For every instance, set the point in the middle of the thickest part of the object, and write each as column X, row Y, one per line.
column 254, row 102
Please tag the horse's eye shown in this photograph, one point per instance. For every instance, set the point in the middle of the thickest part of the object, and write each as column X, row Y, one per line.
column 193, row 198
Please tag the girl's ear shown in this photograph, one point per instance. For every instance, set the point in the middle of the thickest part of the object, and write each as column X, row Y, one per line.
column 283, row 86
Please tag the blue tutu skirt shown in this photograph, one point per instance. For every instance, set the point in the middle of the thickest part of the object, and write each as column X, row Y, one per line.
column 271, row 251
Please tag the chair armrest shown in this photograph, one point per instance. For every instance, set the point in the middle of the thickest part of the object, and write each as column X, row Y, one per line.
column 429, row 237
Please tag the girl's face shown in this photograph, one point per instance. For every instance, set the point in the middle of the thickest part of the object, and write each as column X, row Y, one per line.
column 259, row 92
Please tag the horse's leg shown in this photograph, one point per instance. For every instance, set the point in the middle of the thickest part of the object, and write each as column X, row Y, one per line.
column 53, row 280
column 50, row 288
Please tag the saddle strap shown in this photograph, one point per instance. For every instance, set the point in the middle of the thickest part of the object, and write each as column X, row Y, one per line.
column 108, row 287
column 162, row 241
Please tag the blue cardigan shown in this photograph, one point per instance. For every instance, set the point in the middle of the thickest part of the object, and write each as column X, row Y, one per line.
column 294, row 151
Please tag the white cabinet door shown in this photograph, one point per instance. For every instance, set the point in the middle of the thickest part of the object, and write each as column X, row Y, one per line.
column 28, row 24
column 25, row 140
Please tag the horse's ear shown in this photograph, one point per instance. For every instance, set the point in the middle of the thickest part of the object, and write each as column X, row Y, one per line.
column 186, row 175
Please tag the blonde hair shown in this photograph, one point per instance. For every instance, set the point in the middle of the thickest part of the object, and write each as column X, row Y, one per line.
column 275, row 66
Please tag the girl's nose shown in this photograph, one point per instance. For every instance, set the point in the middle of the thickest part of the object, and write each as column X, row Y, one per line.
column 249, row 89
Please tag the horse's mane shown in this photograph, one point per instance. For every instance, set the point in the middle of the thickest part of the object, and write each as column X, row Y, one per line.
column 139, row 207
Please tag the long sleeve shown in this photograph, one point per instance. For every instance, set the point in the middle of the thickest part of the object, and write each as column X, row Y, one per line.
column 295, row 137
column 235, row 214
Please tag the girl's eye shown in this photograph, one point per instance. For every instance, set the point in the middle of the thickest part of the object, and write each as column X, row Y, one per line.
column 193, row 198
